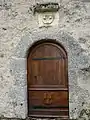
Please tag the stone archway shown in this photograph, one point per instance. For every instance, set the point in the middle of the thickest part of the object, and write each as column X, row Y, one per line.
column 18, row 67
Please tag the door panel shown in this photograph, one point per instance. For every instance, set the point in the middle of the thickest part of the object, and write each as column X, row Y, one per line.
column 47, row 80
column 48, row 98
column 52, row 74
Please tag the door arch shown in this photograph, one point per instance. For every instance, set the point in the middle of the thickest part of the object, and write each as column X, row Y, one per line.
column 47, row 76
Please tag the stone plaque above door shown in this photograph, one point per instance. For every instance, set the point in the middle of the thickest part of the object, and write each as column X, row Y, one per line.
column 47, row 14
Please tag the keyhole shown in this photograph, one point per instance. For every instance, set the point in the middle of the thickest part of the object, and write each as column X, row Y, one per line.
column 35, row 79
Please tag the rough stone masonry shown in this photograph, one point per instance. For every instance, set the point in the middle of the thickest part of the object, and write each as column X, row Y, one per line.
column 19, row 29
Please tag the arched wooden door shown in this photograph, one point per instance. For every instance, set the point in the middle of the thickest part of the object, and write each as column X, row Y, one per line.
column 47, row 81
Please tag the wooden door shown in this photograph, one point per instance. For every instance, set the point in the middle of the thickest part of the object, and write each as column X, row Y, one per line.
column 47, row 81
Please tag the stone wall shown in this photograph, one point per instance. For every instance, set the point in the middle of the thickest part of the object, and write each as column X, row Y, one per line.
column 19, row 29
